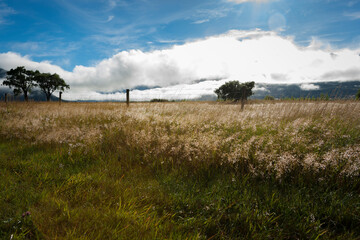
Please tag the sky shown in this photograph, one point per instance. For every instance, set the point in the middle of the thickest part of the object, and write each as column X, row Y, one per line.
column 180, row 49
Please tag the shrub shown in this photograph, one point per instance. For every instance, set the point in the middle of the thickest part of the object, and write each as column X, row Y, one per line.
column 268, row 97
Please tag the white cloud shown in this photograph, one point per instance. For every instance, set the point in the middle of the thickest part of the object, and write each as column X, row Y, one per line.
column 12, row 60
column 44, row 48
column 309, row 86
column 353, row 15
column 260, row 56
column 176, row 92
column 110, row 18
column 5, row 11
column 201, row 21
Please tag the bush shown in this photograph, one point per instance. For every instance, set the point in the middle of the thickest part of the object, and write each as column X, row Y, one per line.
column 158, row 100
column 235, row 91
column 268, row 97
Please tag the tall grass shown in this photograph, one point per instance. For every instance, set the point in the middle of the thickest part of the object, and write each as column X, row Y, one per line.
column 279, row 170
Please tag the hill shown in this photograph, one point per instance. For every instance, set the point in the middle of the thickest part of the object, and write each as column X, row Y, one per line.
column 35, row 95
column 333, row 89
column 2, row 73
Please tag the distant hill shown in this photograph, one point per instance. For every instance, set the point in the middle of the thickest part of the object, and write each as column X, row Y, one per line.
column 333, row 89
column 346, row 90
column 2, row 73
column 35, row 95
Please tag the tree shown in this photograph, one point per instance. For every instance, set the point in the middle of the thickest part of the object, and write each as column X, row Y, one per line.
column 358, row 95
column 49, row 83
column 235, row 91
column 268, row 97
column 21, row 80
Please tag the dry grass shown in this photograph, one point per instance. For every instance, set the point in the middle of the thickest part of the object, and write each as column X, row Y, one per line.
column 274, row 136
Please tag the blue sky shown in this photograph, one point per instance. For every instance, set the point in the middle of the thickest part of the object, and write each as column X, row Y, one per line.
column 82, row 32
column 58, row 35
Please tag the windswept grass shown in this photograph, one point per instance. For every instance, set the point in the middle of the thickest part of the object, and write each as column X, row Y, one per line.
column 278, row 170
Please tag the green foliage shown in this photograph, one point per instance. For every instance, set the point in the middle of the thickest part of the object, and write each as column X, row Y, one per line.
column 159, row 100
column 324, row 97
column 268, row 97
column 48, row 83
column 21, row 80
column 234, row 90
column 358, row 95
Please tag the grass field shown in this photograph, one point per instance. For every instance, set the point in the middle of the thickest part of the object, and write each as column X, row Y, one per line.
column 185, row 170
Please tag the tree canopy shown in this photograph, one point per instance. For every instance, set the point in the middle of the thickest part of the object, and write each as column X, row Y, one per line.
column 21, row 80
column 234, row 90
column 49, row 83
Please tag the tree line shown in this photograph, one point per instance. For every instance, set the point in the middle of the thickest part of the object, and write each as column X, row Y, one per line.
column 22, row 81
column 236, row 91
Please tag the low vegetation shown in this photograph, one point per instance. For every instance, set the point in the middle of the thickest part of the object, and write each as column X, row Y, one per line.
column 184, row 170
column 268, row 97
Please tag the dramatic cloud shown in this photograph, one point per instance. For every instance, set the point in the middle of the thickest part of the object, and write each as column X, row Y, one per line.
column 260, row 56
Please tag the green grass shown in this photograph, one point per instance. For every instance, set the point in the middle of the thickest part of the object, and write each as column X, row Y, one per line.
column 112, row 188
column 104, row 194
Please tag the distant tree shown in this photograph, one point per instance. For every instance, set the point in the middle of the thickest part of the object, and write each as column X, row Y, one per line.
column 159, row 100
column 268, row 97
column 358, row 95
column 49, row 83
column 21, row 80
column 235, row 91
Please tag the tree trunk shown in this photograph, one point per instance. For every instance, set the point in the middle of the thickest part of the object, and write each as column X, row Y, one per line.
column 26, row 96
column 48, row 97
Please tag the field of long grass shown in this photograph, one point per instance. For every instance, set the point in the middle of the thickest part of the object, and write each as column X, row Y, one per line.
column 185, row 170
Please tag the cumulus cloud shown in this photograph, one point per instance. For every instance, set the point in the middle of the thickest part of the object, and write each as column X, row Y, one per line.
column 12, row 60
column 260, row 56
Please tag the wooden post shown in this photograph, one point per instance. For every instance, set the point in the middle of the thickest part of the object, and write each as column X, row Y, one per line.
column 127, row 97
column 243, row 98
column 60, row 97
column 6, row 98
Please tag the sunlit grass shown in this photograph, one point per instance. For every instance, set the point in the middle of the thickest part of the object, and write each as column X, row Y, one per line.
column 278, row 170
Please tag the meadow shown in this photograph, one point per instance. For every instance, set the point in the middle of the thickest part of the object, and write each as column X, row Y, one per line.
column 180, row 170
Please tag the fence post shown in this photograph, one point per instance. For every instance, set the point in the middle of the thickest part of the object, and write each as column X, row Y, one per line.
column 60, row 97
column 243, row 98
column 6, row 98
column 127, row 97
